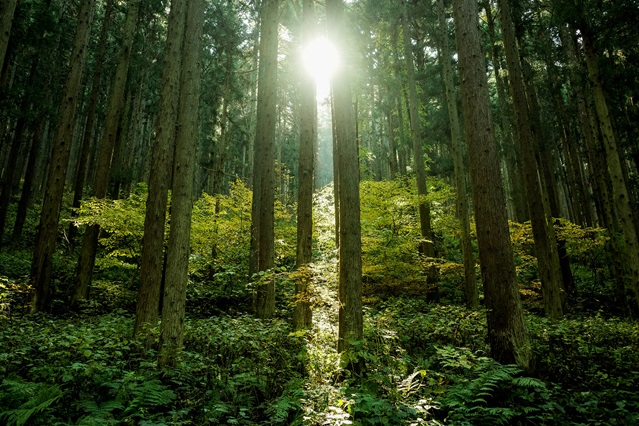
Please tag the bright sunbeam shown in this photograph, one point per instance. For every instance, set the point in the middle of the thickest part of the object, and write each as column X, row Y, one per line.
column 321, row 59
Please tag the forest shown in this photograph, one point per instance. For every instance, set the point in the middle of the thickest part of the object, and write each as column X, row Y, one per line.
column 319, row 212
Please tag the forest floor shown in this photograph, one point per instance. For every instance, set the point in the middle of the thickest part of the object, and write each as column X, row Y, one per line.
column 423, row 361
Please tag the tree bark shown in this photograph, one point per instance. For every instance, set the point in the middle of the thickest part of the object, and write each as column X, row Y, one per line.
column 302, row 316
column 50, row 214
column 177, row 265
column 85, row 145
column 263, row 210
column 7, row 9
column 621, row 197
column 426, row 246
column 507, row 332
column 470, row 286
column 152, row 262
column 86, row 262
column 350, row 247
column 543, row 231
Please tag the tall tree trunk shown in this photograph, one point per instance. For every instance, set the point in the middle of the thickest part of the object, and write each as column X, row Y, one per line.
column 10, row 171
column 7, row 9
column 543, row 231
column 621, row 197
column 470, row 286
column 177, row 265
column 86, row 262
column 600, row 177
column 263, row 214
column 25, row 196
column 152, row 262
column 350, row 245
column 426, row 245
column 85, row 144
column 507, row 332
column 515, row 193
column 302, row 316
column 50, row 215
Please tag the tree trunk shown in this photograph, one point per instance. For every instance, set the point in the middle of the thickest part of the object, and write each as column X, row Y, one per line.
column 515, row 192
column 50, row 215
column 7, row 9
column 25, row 196
column 470, row 286
column 263, row 215
column 426, row 246
column 302, row 316
column 350, row 245
column 507, row 333
column 152, row 262
column 177, row 266
column 89, row 127
column 543, row 231
column 86, row 262
column 620, row 194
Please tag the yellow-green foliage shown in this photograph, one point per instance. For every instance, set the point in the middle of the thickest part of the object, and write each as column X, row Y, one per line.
column 228, row 232
column 582, row 243
column 390, row 228
column 121, row 222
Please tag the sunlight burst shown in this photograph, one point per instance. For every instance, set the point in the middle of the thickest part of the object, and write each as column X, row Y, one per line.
column 321, row 59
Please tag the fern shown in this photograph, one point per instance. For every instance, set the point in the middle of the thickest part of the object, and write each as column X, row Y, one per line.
column 39, row 397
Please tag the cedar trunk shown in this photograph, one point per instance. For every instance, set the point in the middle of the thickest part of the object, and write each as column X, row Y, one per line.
column 350, row 248
column 52, row 203
column 507, row 333
column 302, row 316
column 470, row 285
column 152, row 263
column 177, row 265
column 263, row 211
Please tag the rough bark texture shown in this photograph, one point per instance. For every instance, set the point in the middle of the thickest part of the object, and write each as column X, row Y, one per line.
column 516, row 200
column 620, row 194
column 302, row 316
column 350, row 249
column 543, row 231
column 86, row 262
column 262, row 230
column 85, row 145
column 177, row 265
column 420, row 171
column 470, row 285
column 152, row 263
column 7, row 9
column 52, row 203
column 507, row 333
column 600, row 177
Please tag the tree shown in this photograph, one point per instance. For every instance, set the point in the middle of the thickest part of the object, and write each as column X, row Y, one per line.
column 90, row 124
column 620, row 194
column 86, row 262
column 350, row 245
column 470, row 286
column 7, row 10
column 177, row 264
column 152, row 262
column 507, row 333
column 263, row 216
column 543, row 231
column 302, row 316
column 420, row 172
column 50, row 214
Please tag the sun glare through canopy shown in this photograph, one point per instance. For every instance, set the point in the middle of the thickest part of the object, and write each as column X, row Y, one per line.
column 321, row 59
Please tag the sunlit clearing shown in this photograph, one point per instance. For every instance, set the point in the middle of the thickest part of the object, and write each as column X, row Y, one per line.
column 321, row 59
